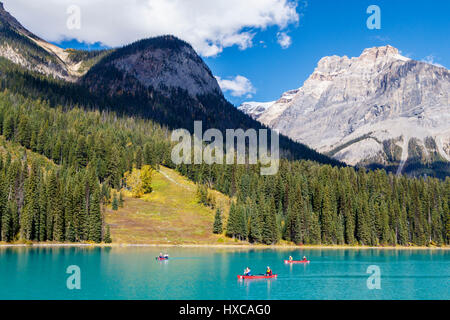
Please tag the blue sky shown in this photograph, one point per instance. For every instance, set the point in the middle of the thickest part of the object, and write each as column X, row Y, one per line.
column 419, row 29
column 239, row 38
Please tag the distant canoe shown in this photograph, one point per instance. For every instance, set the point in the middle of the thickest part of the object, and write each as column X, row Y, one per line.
column 257, row 277
column 296, row 261
column 161, row 259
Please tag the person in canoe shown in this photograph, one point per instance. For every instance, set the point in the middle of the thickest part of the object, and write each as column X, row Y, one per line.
column 304, row 258
column 290, row 258
column 268, row 271
column 247, row 272
column 166, row 256
column 161, row 255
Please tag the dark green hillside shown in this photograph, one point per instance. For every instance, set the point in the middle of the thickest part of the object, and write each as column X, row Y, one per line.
column 179, row 110
column 305, row 202
column 92, row 136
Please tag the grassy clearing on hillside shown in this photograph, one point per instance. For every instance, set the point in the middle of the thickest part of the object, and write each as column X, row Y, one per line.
column 169, row 215
column 16, row 151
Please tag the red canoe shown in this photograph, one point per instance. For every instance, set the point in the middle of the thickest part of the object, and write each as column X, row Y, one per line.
column 161, row 259
column 257, row 277
column 298, row 261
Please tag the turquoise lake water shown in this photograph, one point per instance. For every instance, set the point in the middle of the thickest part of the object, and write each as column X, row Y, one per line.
column 199, row 273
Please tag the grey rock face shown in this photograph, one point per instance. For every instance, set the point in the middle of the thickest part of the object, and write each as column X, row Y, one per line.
column 174, row 65
column 255, row 109
column 22, row 47
column 350, row 107
column 166, row 68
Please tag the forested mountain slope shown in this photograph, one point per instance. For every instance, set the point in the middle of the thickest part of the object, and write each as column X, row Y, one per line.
column 118, row 117
column 161, row 78
column 305, row 202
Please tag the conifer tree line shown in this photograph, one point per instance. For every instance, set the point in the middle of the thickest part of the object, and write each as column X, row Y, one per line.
column 175, row 110
column 308, row 203
column 305, row 202
column 48, row 205
column 91, row 151
column 75, row 138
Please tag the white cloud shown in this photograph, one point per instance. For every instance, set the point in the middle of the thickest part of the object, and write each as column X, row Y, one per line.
column 208, row 25
column 238, row 87
column 431, row 60
column 284, row 40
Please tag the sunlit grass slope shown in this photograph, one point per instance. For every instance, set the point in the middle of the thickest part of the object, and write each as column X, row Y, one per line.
column 169, row 215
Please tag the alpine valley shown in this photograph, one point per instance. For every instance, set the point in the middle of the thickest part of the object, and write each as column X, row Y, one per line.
column 85, row 150
column 378, row 110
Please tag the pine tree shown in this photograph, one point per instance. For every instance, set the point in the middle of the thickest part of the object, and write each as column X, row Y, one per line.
column 139, row 158
column 105, row 193
column 107, row 238
column 113, row 170
column 8, row 234
column 80, row 210
column 8, row 127
column 42, row 236
column 328, row 218
column 95, row 217
column 291, row 224
column 202, row 194
column 115, row 203
column 363, row 225
column 56, row 208
column 255, row 225
column 121, row 201
column 242, row 222
column 269, row 231
column 3, row 200
column 217, row 227
column 31, row 205
column 232, row 221
column 81, row 154
column 69, row 212
column 315, row 230
column 24, row 131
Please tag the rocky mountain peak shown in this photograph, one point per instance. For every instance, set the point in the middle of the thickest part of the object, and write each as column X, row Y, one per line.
column 11, row 22
column 380, row 51
column 379, row 108
column 161, row 63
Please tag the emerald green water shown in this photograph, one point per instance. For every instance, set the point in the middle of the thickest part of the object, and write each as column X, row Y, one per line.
column 199, row 273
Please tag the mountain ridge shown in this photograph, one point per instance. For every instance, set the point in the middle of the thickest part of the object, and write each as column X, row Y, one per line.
column 174, row 93
column 161, row 63
column 22, row 47
column 355, row 109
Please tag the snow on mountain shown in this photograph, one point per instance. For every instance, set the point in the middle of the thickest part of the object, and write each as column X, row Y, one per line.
column 379, row 108
column 255, row 109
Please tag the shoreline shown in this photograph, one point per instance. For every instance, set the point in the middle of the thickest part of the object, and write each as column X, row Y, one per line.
column 215, row 246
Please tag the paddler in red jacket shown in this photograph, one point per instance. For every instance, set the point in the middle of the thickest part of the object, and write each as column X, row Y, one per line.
column 268, row 271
